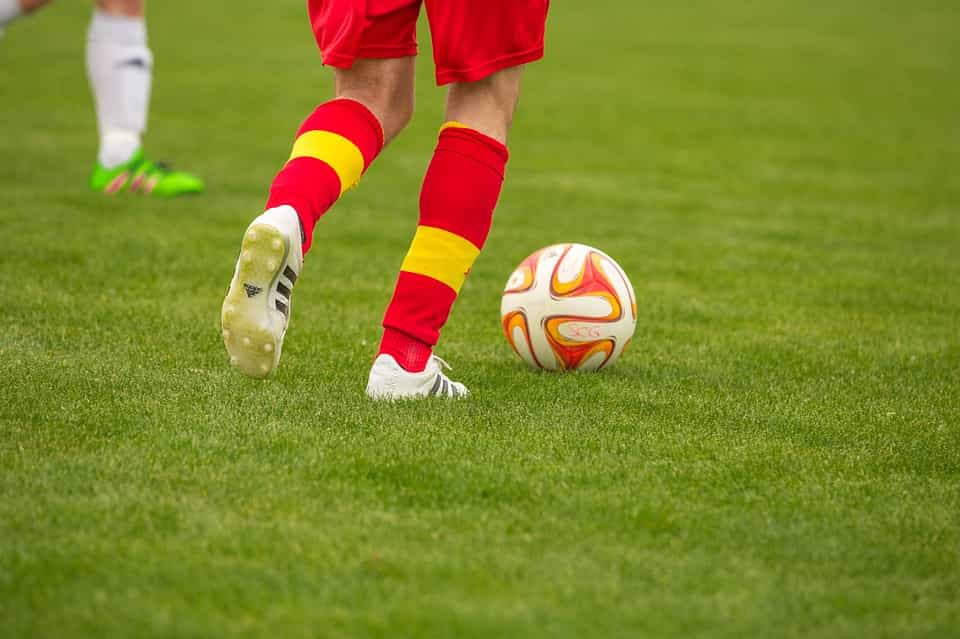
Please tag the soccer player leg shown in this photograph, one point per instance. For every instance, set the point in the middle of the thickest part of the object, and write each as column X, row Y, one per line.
column 10, row 10
column 119, row 66
column 459, row 194
column 333, row 148
column 372, row 54
column 339, row 141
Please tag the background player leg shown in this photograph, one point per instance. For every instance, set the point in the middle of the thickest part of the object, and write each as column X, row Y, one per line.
column 459, row 194
column 10, row 10
column 333, row 148
column 119, row 66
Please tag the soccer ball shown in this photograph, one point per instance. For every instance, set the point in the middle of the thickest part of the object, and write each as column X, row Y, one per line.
column 568, row 307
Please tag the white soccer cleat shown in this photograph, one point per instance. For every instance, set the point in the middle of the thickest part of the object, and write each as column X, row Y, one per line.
column 389, row 381
column 256, row 310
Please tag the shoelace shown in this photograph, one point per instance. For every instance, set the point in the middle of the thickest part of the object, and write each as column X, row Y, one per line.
column 443, row 385
column 442, row 362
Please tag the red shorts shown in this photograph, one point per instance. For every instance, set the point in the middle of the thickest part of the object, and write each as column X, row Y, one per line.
column 471, row 38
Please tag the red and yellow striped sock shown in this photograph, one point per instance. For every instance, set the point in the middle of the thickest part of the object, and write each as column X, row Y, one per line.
column 459, row 194
column 334, row 147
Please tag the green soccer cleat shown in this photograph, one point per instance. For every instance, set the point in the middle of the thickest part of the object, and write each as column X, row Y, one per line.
column 143, row 175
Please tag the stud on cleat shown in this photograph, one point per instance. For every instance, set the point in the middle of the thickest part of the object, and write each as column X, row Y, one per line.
column 277, row 244
column 268, row 348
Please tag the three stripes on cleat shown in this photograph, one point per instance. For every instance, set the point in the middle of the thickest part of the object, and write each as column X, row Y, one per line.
column 443, row 387
column 284, row 291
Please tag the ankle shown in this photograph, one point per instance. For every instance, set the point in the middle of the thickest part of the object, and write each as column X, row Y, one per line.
column 411, row 354
column 117, row 147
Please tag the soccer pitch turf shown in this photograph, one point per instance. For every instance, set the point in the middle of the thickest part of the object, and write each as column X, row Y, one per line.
column 777, row 455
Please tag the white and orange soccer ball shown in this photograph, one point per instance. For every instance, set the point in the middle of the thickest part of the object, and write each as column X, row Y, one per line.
column 569, row 307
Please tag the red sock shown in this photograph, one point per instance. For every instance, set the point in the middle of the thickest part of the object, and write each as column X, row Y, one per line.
column 459, row 193
column 334, row 147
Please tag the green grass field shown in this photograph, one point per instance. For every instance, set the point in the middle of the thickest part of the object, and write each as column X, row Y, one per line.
column 777, row 456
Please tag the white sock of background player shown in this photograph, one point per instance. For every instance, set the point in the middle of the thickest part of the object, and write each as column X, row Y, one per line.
column 119, row 65
column 10, row 10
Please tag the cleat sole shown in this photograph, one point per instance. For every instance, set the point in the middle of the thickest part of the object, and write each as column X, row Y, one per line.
column 246, row 318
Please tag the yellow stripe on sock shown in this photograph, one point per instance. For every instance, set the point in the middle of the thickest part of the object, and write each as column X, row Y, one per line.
column 441, row 255
column 338, row 152
column 453, row 124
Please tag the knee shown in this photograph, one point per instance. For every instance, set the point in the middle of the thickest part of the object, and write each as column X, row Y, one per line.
column 486, row 105
column 385, row 87
column 127, row 8
column 401, row 112
column 393, row 106
column 404, row 105
column 29, row 6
